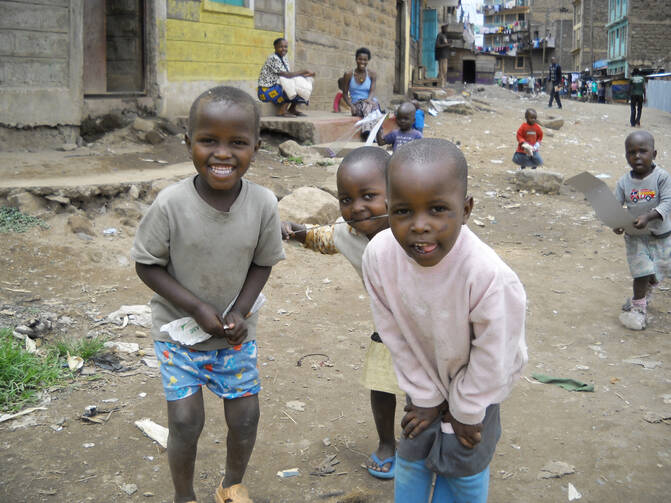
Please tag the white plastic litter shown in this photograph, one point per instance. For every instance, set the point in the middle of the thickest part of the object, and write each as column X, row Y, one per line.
column 573, row 493
column 186, row 331
column 154, row 431
column 373, row 132
column 135, row 315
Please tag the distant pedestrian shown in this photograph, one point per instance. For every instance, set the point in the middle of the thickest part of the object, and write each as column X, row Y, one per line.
column 602, row 92
column 646, row 190
column 442, row 50
column 636, row 97
column 555, row 79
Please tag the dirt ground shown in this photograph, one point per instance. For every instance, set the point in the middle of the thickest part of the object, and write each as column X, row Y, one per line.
column 573, row 268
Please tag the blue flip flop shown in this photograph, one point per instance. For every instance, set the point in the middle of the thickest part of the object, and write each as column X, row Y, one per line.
column 381, row 463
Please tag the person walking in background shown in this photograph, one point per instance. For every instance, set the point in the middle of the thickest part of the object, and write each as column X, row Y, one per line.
column 636, row 97
column 442, row 53
column 555, row 79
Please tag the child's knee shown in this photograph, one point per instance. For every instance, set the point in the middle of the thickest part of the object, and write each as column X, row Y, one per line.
column 242, row 415
column 185, row 422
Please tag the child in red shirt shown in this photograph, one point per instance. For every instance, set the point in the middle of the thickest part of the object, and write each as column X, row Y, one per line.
column 529, row 137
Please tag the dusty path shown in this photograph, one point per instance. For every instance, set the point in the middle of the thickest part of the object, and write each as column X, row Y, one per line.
column 576, row 278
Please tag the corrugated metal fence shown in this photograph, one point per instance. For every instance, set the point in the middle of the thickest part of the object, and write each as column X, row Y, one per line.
column 659, row 94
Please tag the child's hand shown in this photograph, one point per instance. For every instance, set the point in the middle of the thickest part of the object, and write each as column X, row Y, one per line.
column 468, row 434
column 641, row 222
column 209, row 320
column 235, row 327
column 291, row 230
column 419, row 419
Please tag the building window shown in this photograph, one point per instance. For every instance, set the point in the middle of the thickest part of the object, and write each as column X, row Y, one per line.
column 520, row 17
column 415, row 13
column 519, row 62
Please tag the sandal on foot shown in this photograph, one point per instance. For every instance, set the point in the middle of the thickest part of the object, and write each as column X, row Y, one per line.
column 237, row 493
column 380, row 474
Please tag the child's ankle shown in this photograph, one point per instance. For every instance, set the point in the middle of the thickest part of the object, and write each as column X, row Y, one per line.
column 641, row 304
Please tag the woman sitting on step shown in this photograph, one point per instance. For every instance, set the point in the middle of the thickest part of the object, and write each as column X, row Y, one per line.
column 359, row 88
column 270, row 89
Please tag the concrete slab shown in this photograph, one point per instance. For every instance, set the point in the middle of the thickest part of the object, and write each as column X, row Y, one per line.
column 316, row 127
column 337, row 149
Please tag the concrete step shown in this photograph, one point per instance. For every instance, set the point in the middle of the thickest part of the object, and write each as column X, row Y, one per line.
column 316, row 127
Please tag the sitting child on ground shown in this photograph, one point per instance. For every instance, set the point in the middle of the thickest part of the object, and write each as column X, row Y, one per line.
column 452, row 314
column 362, row 194
column 529, row 137
column 646, row 190
column 207, row 244
column 405, row 116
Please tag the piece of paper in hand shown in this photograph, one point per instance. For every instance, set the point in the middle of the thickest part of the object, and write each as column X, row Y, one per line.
column 187, row 332
column 371, row 117
column 373, row 133
column 606, row 207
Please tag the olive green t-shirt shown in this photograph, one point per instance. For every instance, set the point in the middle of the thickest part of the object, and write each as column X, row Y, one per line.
column 206, row 250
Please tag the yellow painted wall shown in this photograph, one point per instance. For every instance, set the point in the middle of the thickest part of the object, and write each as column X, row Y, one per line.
column 219, row 42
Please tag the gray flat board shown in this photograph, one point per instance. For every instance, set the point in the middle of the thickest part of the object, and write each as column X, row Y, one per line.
column 606, row 207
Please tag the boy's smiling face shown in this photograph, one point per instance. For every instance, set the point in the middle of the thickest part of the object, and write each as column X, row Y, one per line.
column 362, row 194
column 222, row 144
column 427, row 207
column 530, row 116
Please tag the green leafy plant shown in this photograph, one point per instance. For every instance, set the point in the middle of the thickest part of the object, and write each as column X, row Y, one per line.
column 12, row 220
column 86, row 349
column 24, row 374
column 297, row 160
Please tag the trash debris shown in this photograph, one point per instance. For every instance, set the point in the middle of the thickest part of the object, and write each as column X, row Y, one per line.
column 555, row 469
column 496, row 161
column 654, row 417
column 150, row 361
column 479, row 223
column 291, row 472
column 154, row 431
column 123, row 347
column 573, row 493
column 7, row 417
column 90, row 410
column 110, row 231
column 603, row 176
column 74, row 362
column 135, row 315
column 88, row 445
column 109, row 361
column 564, row 382
column 646, row 364
column 326, row 442
column 31, row 347
column 296, row 405
column 142, row 395
column 129, row 489
column 326, row 467
column 300, row 360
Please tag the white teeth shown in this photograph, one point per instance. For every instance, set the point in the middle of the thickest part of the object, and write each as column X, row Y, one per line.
column 221, row 170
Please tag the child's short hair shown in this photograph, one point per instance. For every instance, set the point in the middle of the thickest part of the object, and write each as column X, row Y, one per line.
column 406, row 105
column 642, row 134
column 376, row 156
column 430, row 150
column 278, row 40
column 362, row 50
column 530, row 110
column 225, row 94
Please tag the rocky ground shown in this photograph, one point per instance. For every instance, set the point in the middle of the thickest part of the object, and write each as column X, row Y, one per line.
column 613, row 443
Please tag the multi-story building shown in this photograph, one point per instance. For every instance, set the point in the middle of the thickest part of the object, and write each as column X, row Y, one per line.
column 589, row 33
column 639, row 35
column 525, row 34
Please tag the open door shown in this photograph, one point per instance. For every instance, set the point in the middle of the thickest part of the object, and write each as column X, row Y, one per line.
column 429, row 34
column 469, row 71
column 114, row 47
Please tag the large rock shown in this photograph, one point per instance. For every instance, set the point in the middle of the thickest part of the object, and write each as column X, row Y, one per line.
column 546, row 182
column 290, row 148
column 127, row 209
column 143, row 125
column 309, row 205
column 79, row 223
column 552, row 123
column 27, row 203
column 330, row 185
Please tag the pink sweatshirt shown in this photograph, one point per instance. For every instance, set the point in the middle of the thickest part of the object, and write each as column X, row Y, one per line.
column 455, row 330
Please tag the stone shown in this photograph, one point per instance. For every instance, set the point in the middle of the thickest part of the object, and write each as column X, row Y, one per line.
column 422, row 95
column 279, row 189
column 169, row 127
column 290, row 148
column 142, row 125
column 27, row 203
column 58, row 199
column 127, row 209
column 68, row 147
column 330, row 185
column 156, row 187
column 113, row 120
column 153, row 137
column 552, row 123
column 80, row 224
column 134, row 192
column 545, row 182
column 309, row 205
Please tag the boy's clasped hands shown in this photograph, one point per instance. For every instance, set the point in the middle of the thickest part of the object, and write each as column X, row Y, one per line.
column 232, row 327
column 417, row 419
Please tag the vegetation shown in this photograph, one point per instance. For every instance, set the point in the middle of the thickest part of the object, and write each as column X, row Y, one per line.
column 86, row 349
column 12, row 220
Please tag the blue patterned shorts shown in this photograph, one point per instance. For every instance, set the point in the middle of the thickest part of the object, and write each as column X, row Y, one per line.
column 649, row 255
column 229, row 373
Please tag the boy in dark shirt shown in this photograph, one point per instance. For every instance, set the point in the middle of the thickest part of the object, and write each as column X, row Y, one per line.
column 405, row 116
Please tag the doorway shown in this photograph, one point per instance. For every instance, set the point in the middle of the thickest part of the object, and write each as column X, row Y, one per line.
column 114, row 47
column 468, row 71
column 399, row 48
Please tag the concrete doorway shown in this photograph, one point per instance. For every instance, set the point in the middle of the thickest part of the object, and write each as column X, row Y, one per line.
column 114, row 47
column 399, row 48
column 468, row 71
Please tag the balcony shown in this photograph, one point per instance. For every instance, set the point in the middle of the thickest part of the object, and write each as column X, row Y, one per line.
column 509, row 7
column 504, row 28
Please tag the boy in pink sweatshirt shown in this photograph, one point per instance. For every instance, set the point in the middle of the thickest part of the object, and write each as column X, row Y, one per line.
column 452, row 314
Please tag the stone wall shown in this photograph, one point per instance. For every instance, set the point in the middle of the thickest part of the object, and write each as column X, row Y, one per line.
column 124, row 46
column 328, row 34
column 649, row 33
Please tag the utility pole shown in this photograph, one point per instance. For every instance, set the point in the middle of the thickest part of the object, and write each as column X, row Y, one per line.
column 530, row 46
column 591, row 36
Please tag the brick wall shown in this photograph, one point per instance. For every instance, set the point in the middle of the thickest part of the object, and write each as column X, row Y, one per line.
column 649, row 32
column 327, row 35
